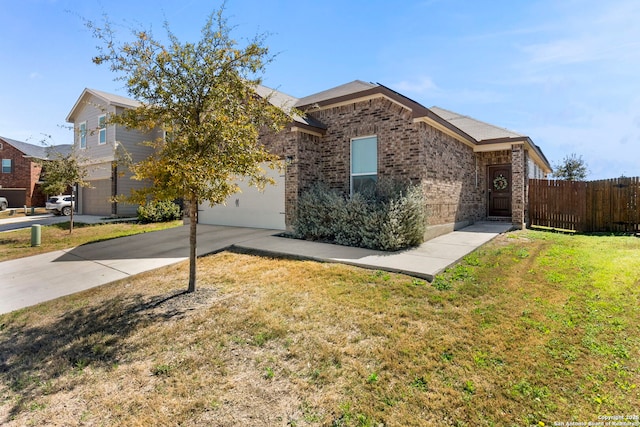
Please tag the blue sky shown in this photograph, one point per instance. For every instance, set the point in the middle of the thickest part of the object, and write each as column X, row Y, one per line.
column 566, row 73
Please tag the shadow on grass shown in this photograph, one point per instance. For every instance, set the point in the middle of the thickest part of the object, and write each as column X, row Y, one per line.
column 65, row 225
column 33, row 358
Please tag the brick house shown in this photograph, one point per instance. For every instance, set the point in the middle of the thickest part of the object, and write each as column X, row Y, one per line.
column 360, row 132
column 20, row 172
column 100, row 146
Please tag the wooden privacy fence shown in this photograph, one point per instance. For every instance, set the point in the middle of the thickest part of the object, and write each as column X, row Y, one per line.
column 611, row 205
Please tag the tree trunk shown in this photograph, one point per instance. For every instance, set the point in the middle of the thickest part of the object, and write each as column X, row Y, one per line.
column 193, row 224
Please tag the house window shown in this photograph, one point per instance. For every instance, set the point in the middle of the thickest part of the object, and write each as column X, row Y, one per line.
column 83, row 135
column 364, row 163
column 102, row 125
column 6, row 166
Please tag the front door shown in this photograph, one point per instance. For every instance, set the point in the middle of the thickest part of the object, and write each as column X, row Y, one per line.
column 499, row 190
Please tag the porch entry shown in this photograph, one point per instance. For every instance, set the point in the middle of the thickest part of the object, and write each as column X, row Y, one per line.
column 499, row 189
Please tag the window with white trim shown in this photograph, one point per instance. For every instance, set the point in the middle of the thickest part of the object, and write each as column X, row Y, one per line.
column 102, row 132
column 364, row 163
column 7, row 167
column 83, row 134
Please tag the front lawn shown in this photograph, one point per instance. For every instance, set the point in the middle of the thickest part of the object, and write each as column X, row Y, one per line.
column 17, row 244
column 532, row 329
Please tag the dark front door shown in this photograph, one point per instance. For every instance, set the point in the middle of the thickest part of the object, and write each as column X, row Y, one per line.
column 499, row 190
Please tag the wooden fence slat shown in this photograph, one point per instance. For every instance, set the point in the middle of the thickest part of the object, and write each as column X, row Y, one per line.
column 611, row 205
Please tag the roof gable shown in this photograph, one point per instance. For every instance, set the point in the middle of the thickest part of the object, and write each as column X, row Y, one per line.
column 336, row 92
column 107, row 98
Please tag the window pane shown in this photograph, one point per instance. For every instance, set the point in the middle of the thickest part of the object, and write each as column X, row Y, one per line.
column 83, row 135
column 6, row 165
column 364, row 183
column 364, row 155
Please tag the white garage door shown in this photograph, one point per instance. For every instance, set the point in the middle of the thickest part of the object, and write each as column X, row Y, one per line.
column 251, row 207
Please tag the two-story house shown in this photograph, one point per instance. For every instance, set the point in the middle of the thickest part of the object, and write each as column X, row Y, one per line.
column 101, row 147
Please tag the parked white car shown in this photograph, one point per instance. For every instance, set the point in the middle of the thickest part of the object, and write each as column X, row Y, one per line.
column 3, row 204
column 60, row 205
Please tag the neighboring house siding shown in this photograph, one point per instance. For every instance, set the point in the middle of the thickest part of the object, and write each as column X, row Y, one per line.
column 101, row 157
column 90, row 112
column 133, row 142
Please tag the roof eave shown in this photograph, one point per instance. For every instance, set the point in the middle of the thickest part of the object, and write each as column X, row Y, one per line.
column 306, row 128
column 506, row 142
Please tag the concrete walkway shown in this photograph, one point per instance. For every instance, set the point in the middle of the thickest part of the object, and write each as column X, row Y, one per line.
column 31, row 280
column 424, row 261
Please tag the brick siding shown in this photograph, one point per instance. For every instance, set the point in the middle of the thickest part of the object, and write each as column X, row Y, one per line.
column 453, row 177
column 25, row 174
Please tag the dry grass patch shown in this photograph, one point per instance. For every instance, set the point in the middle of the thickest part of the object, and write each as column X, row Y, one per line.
column 497, row 340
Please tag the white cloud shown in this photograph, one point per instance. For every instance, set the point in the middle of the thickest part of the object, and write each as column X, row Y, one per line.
column 609, row 143
column 582, row 32
column 35, row 75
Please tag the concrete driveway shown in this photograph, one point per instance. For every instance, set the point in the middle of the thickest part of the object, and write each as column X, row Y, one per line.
column 31, row 280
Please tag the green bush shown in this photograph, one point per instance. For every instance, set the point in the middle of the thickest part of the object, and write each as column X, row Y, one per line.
column 159, row 211
column 389, row 217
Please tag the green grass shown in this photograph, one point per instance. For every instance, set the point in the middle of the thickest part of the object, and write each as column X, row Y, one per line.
column 534, row 328
column 17, row 244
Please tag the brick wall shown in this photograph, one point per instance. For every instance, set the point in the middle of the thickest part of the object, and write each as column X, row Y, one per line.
column 407, row 151
column 519, row 181
column 453, row 177
column 25, row 174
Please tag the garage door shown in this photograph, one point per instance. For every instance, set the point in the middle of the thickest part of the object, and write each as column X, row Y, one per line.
column 95, row 200
column 251, row 207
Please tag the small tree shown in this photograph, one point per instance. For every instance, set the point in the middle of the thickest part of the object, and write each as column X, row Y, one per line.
column 61, row 172
column 204, row 97
column 572, row 168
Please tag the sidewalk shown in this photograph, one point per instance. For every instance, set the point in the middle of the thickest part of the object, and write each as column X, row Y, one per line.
column 424, row 261
column 15, row 223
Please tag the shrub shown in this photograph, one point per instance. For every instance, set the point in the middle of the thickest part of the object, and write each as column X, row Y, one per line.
column 388, row 217
column 159, row 211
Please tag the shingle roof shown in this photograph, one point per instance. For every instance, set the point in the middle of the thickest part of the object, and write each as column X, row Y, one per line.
column 286, row 103
column 109, row 98
column 59, row 150
column 37, row 151
column 31, row 150
column 121, row 101
column 336, row 92
column 477, row 129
